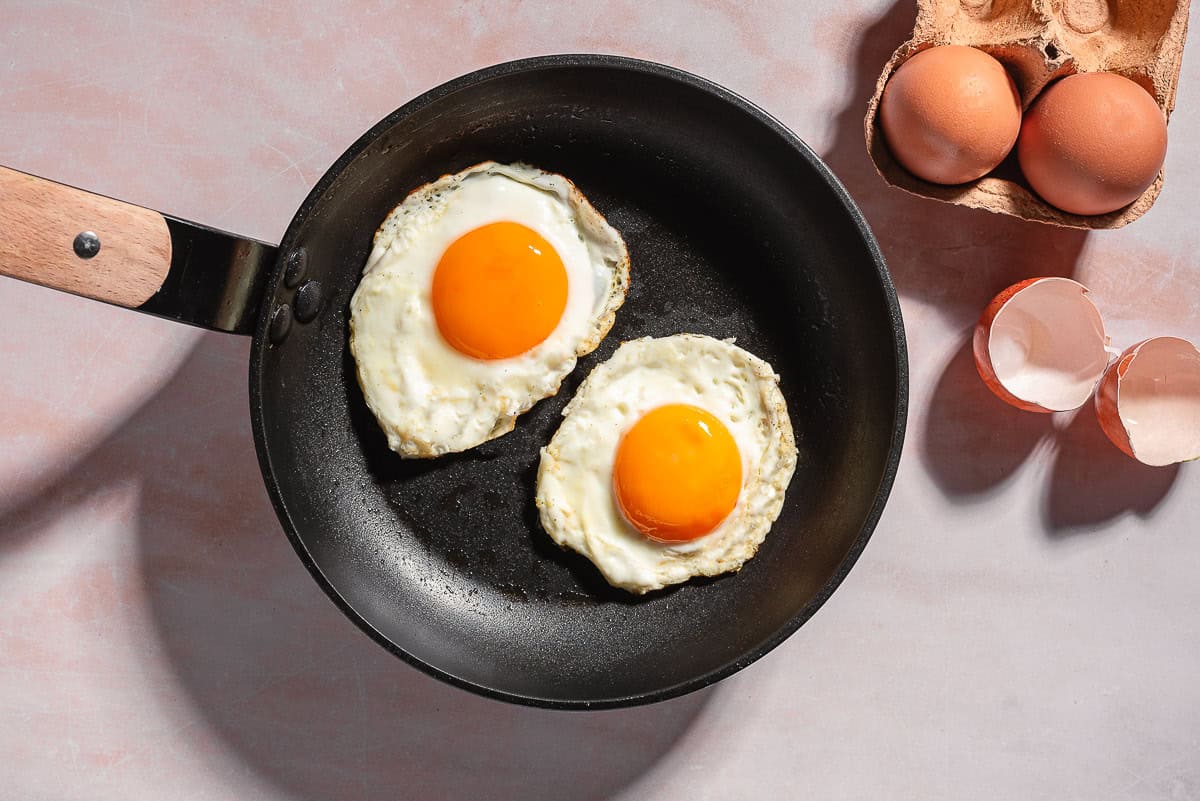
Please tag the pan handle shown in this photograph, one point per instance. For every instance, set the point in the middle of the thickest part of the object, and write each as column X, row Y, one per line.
column 97, row 247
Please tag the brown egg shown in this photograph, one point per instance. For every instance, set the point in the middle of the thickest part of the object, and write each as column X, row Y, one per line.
column 1092, row 143
column 950, row 114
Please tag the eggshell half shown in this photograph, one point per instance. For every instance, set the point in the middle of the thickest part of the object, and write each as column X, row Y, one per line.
column 1149, row 401
column 1040, row 345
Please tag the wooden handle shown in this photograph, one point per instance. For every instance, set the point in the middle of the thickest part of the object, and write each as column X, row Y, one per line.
column 40, row 221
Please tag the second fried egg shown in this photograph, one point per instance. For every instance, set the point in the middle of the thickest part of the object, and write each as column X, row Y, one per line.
column 671, row 462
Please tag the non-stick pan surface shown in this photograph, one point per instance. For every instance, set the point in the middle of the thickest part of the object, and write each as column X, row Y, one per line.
column 735, row 229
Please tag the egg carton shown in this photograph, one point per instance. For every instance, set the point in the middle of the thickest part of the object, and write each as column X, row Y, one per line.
column 1039, row 41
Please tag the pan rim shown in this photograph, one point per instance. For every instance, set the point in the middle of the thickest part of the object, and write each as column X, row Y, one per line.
column 801, row 150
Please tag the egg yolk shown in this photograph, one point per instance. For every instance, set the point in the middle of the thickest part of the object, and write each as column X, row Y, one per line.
column 498, row 291
column 677, row 474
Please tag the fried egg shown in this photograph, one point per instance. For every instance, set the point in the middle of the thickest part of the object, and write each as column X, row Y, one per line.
column 671, row 461
column 480, row 292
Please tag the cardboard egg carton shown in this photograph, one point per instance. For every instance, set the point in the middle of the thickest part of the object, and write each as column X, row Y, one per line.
column 1039, row 41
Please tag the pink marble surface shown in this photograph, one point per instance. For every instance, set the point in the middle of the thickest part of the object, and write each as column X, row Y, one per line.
column 1023, row 625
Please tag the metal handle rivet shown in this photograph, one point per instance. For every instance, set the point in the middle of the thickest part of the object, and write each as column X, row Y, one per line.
column 297, row 266
column 308, row 301
column 281, row 323
column 86, row 244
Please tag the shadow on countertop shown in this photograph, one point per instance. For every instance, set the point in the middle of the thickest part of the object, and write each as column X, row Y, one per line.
column 971, row 440
column 1093, row 482
column 295, row 689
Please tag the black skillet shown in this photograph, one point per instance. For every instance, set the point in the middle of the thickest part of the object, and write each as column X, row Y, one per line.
column 735, row 229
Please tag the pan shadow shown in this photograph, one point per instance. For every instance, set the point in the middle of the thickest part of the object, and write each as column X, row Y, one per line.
column 293, row 689
column 950, row 261
column 1093, row 482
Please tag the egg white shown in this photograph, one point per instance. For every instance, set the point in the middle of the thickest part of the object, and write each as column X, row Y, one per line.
column 430, row 399
column 575, row 497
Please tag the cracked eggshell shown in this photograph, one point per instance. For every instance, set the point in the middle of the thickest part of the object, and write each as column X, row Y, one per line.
column 1040, row 345
column 1039, row 41
column 1148, row 402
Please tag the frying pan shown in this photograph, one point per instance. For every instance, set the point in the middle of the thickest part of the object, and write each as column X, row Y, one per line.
column 735, row 229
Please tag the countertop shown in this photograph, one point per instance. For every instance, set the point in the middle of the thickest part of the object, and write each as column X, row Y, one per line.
column 1023, row 624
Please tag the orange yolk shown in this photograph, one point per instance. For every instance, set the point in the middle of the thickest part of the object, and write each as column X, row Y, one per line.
column 677, row 474
column 498, row 291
